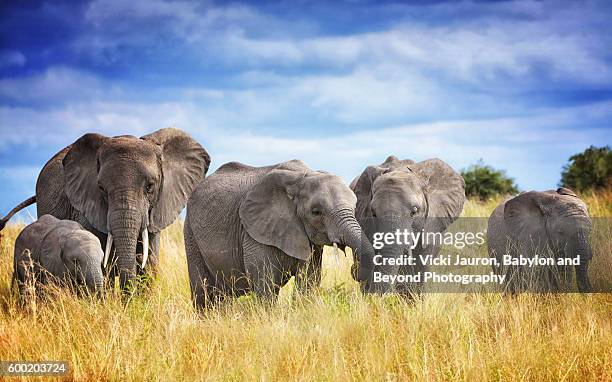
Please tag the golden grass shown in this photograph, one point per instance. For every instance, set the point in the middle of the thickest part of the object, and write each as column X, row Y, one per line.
column 477, row 208
column 333, row 334
column 599, row 202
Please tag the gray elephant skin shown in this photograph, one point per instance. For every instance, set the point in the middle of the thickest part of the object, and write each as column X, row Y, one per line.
column 411, row 197
column 60, row 252
column 252, row 228
column 552, row 223
column 122, row 189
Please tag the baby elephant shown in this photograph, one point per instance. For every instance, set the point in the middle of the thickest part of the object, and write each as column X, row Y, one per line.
column 60, row 252
column 533, row 236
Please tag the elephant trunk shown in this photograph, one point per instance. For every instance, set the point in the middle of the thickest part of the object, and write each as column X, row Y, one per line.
column 401, row 245
column 94, row 280
column 394, row 251
column 125, row 228
column 582, row 249
column 351, row 234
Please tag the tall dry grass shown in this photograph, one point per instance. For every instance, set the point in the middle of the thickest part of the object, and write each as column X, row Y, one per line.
column 333, row 334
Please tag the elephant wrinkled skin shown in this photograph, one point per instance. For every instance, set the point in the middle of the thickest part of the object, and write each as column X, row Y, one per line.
column 122, row 189
column 252, row 228
column 60, row 252
column 407, row 196
column 547, row 224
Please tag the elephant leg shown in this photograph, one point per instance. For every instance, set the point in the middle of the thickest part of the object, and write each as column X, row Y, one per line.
column 410, row 290
column 308, row 275
column 526, row 279
column 517, row 277
column 552, row 280
column 559, row 280
column 27, row 276
column 582, row 277
column 19, row 287
column 263, row 265
column 203, row 292
column 566, row 277
column 201, row 281
column 111, row 274
column 21, row 290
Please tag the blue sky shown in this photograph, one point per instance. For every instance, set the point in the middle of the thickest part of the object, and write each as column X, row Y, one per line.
column 341, row 85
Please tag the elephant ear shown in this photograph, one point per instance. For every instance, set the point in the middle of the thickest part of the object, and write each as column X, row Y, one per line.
column 81, row 180
column 184, row 165
column 392, row 162
column 525, row 217
column 445, row 193
column 269, row 215
column 50, row 255
column 32, row 236
column 362, row 187
column 566, row 191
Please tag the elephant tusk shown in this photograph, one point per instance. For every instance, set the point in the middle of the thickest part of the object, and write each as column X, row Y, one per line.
column 145, row 247
column 107, row 251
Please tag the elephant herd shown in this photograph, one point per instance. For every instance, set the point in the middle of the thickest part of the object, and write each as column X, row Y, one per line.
column 103, row 201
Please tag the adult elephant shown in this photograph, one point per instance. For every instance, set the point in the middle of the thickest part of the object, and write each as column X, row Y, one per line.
column 552, row 224
column 122, row 188
column 416, row 198
column 252, row 228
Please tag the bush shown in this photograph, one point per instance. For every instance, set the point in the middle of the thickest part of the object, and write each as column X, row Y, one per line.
column 484, row 181
column 591, row 169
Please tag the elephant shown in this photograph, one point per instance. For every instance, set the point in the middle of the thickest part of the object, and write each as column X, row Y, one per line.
column 60, row 252
column 410, row 197
column 121, row 189
column 553, row 224
column 249, row 229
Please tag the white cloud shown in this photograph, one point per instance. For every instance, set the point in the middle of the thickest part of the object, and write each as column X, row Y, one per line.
column 497, row 44
column 61, row 126
column 20, row 174
column 101, row 11
column 10, row 58
column 470, row 67
column 56, row 84
column 472, row 54
column 531, row 148
column 370, row 93
column 466, row 78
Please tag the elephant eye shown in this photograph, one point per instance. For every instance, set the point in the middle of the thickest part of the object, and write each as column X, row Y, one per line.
column 149, row 188
column 316, row 212
column 414, row 210
column 101, row 188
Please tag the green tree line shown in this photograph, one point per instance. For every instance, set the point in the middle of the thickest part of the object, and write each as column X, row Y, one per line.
column 589, row 170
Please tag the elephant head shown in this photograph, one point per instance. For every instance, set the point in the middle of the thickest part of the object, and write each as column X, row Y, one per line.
column 411, row 197
column 293, row 210
column 81, row 255
column 67, row 251
column 127, row 187
column 552, row 220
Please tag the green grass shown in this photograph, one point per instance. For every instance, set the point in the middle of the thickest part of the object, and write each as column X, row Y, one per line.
column 334, row 333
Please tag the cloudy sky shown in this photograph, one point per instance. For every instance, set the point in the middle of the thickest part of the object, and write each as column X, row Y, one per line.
column 522, row 85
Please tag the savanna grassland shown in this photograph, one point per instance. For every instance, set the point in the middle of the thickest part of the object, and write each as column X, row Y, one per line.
column 334, row 333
